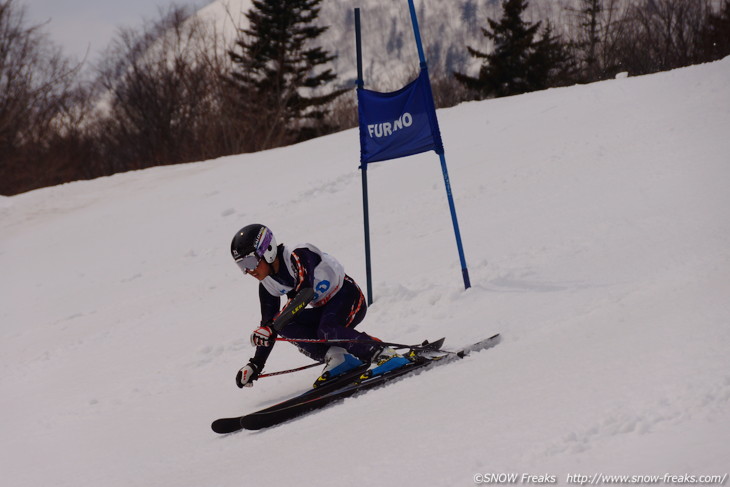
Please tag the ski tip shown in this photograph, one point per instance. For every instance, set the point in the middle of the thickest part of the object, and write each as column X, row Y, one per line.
column 482, row 345
column 224, row 426
column 435, row 345
column 493, row 340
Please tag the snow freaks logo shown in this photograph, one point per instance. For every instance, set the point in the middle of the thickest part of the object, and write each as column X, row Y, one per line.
column 599, row 479
column 514, row 478
column 385, row 129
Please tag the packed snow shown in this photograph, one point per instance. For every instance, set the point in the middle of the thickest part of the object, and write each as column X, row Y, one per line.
column 596, row 230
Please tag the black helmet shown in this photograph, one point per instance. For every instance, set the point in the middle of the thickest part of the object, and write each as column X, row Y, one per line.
column 255, row 242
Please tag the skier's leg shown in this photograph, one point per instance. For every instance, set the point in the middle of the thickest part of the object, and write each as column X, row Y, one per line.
column 304, row 326
column 344, row 311
column 341, row 315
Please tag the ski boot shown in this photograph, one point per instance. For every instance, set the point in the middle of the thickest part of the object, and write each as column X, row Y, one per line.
column 386, row 360
column 339, row 363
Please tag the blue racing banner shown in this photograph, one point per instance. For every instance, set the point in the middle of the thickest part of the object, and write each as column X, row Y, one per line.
column 398, row 124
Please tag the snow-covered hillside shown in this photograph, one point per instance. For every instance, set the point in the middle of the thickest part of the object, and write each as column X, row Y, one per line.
column 595, row 224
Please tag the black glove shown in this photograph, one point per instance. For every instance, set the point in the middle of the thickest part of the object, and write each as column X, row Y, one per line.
column 247, row 375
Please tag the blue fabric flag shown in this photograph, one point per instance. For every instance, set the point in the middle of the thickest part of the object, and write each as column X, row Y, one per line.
column 400, row 123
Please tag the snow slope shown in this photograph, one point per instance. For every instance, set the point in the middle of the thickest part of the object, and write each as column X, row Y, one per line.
column 595, row 224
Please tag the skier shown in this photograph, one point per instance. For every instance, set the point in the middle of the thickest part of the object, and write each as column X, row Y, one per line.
column 307, row 276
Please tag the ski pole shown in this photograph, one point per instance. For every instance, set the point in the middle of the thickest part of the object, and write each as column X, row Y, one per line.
column 357, row 340
column 289, row 371
column 341, row 340
column 345, row 340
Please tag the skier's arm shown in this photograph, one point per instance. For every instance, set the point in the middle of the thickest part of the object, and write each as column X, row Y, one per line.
column 292, row 308
column 269, row 309
column 269, row 305
column 303, row 262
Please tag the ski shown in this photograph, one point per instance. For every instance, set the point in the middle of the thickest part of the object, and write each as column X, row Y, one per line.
column 424, row 356
column 424, row 359
column 229, row 425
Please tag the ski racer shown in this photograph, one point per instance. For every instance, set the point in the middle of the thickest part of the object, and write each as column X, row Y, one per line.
column 307, row 276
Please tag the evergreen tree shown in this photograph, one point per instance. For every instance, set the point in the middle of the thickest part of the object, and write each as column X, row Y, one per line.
column 506, row 70
column 275, row 66
column 551, row 62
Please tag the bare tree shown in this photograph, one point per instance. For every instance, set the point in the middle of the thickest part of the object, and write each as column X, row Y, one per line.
column 36, row 85
column 662, row 34
column 161, row 87
column 714, row 43
column 598, row 27
column 589, row 15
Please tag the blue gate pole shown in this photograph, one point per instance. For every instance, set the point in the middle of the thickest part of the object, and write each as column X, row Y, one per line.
column 455, row 221
column 364, row 168
column 452, row 207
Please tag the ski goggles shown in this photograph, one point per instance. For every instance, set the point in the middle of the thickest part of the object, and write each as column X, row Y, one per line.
column 248, row 263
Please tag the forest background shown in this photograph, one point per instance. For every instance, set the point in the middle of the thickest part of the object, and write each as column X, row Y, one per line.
column 170, row 91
